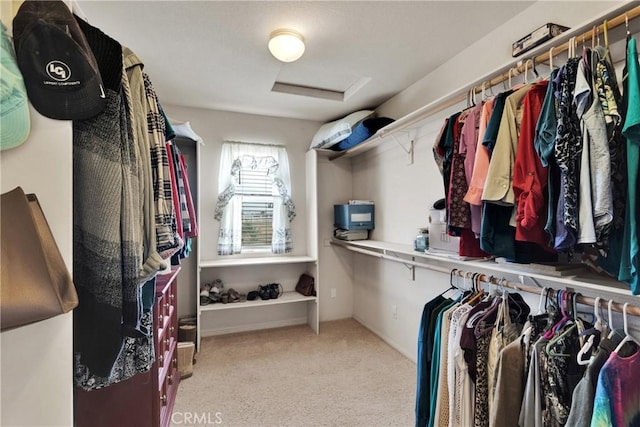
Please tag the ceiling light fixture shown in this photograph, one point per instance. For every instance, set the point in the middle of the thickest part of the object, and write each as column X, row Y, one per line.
column 286, row 45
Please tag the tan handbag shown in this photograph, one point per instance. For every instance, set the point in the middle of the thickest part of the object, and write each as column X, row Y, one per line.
column 36, row 284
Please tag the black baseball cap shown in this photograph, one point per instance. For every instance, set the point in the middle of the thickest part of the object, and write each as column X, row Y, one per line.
column 59, row 69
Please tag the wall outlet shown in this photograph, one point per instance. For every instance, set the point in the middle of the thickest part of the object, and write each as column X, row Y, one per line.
column 394, row 311
column 333, row 292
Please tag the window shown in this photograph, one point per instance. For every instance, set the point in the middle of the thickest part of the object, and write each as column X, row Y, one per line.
column 254, row 204
column 255, row 188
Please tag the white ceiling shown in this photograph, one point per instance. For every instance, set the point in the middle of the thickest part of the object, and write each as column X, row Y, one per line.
column 213, row 54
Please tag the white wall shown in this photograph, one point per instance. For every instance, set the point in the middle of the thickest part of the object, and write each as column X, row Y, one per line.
column 36, row 360
column 334, row 187
column 403, row 193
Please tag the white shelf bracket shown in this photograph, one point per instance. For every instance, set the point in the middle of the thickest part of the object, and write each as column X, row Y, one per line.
column 409, row 267
column 410, row 148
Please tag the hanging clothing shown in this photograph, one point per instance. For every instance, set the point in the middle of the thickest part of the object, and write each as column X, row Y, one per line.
column 617, row 398
column 480, row 168
column 459, row 216
column 107, row 247
column 532, row 402
column 166, row 227
column 509, row 384
column 425, row 354
column 600, row 164
column 440, row 399
column 175, row 191
column 499, row 216
column 630, row 261
column 544, row 143
column 568, row 149
column 445, row 145
column 611, row 100
column 529, row 176
column 137, row 115
column 499, row 186
column 193, row 232
column 561, row 373
column 456, row 365
column 584, row 393
column 586, row 233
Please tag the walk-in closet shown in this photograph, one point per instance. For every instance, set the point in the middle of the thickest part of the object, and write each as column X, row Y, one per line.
column 424, row 214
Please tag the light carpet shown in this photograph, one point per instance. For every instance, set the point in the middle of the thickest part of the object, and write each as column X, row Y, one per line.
column 345, row 376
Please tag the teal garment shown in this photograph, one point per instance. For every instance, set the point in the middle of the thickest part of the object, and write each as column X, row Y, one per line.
column 546, row 127
column 425, row 347
column 435, row 362
column 169, row 132
column 491, row 133
column 630, row 261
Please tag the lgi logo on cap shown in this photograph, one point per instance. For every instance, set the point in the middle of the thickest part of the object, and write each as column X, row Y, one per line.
column 58, row 70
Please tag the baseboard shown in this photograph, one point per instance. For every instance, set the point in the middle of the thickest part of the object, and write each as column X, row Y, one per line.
column 386, row 339
column 254, row 327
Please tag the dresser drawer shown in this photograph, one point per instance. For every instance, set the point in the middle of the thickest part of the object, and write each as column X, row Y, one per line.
column 169, row 387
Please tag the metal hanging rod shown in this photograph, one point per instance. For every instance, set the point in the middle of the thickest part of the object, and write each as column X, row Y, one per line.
column 389, row 255
column 581, row 299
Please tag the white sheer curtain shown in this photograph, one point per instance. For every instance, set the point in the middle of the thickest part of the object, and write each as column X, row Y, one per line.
column 235, row 157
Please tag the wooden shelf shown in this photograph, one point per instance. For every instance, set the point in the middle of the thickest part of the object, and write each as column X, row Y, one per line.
column 285, row 298
column 239, row 262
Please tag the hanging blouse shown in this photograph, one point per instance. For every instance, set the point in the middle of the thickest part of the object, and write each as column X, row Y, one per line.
column 456, row 365
column 480, row 168
column 441, row 397
column 137, row 114
column 610, row 98
column 469, row 140
column 459, row 215
column 193, row 232
column 561, row 375
column 509, row 384
column 499, row 185
column 497, row 233
column 630, row 262
column 600, row 167
column 529, row 176
column 532, row 403
column 584, row 393
column 544, row 143
column 617, row 400
column 568, row 149
column 581, row 99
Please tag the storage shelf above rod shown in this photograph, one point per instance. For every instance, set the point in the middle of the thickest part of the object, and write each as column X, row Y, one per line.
column 583, row 280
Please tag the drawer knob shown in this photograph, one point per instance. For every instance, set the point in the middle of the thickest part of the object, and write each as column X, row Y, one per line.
column 163, row 399
column 166, row 342
column 166, row 306
column 161, row 359
column 171, row 297
column 172, row 329
column 170, row 379
column 160, row 318
column 175, row 362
